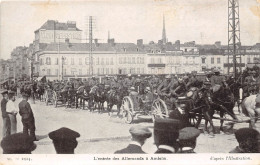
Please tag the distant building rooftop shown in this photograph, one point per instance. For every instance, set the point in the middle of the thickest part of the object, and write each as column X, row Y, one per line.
column 55, row 25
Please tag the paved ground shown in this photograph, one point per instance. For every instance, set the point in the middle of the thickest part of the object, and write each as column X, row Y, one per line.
column 103, row 134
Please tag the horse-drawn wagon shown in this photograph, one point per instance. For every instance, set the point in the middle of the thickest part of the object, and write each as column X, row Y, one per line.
column 134, row 106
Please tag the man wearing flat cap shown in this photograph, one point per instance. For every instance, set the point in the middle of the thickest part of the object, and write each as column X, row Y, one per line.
column 18, row 143
column 187, row 139
column 166, row 133
column 6, row 119
column 26, row 113
column 139, row 135
column 248, row 140
column 64, row 140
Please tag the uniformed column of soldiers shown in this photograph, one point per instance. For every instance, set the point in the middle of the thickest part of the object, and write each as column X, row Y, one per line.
column 169, row 137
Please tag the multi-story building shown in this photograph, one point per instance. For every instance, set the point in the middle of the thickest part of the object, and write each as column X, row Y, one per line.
column 52, row 32
column 252, row 57
column 6, row 71
column 20, row 63
column 108, row 58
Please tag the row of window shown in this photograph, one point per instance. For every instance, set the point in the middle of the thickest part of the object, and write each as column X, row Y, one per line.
column 48, row 61
column 131, row 60
column 131, row 71
column 74, row 71
column 212, row 60
column 85, row 61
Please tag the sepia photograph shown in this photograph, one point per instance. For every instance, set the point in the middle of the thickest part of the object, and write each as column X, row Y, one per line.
column 111, row 77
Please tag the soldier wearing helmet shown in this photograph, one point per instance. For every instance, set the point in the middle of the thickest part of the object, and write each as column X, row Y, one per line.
column 92, row 81
column 192, row 80
column 129, row 81
column 216, row 79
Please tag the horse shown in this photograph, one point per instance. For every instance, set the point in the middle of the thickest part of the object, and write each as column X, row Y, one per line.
column 115, row 97
column 193, row 105
column 99, row 95
column 251, row 108
column 222, row 100
column 40, row 92
column 91, row 102
column 82, row 94
column 235, row 88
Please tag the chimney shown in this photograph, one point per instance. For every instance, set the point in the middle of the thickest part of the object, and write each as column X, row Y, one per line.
column 67, row 41
column 218, row 44
column 140, row 43
column 111, row 41
column 178, row 44
column 96, row 42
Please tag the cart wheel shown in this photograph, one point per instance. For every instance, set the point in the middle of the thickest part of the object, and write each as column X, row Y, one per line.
column 159, row 109
column 128, row 117
column 128, row 110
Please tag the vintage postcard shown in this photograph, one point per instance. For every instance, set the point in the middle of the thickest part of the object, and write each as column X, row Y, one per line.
column 105, row 81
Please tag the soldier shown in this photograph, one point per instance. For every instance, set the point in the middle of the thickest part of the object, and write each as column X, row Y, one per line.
column 6, row 119
column 77, row 84
column 64, row 140
column 177, row 89
column 18, row 143
column 187, row 139
column 139, row 135
column 92, row 81
column 166, row 133
column 107, row 82
column 134, row 95
column 115, row 84
column 164, row 88
column 27, row 117
column 192, row 80
column 216, row 79
column 249, row 84
column 163, row 91
column 137, row 83
column 248, row 140
column 12, row 111
column 147, row 100
column 154, row 81
column 208, row 76
column 129, row 81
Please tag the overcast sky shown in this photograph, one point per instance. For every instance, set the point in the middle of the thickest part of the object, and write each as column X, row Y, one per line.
column 203, row 21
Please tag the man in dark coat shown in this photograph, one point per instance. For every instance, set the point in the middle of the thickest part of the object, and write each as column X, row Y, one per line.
column 139, row 135
column 6, row 119
column 166, row 133
column 64, row 140
column 26, row 113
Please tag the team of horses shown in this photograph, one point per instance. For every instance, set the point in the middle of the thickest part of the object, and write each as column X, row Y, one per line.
column 205, row 102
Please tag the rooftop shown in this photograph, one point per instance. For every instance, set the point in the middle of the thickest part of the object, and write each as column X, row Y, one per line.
column 55, row 25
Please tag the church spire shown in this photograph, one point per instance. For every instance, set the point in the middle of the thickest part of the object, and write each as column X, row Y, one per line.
column 164, row 32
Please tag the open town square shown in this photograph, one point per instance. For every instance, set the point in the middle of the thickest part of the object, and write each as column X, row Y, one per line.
column 118, row 82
